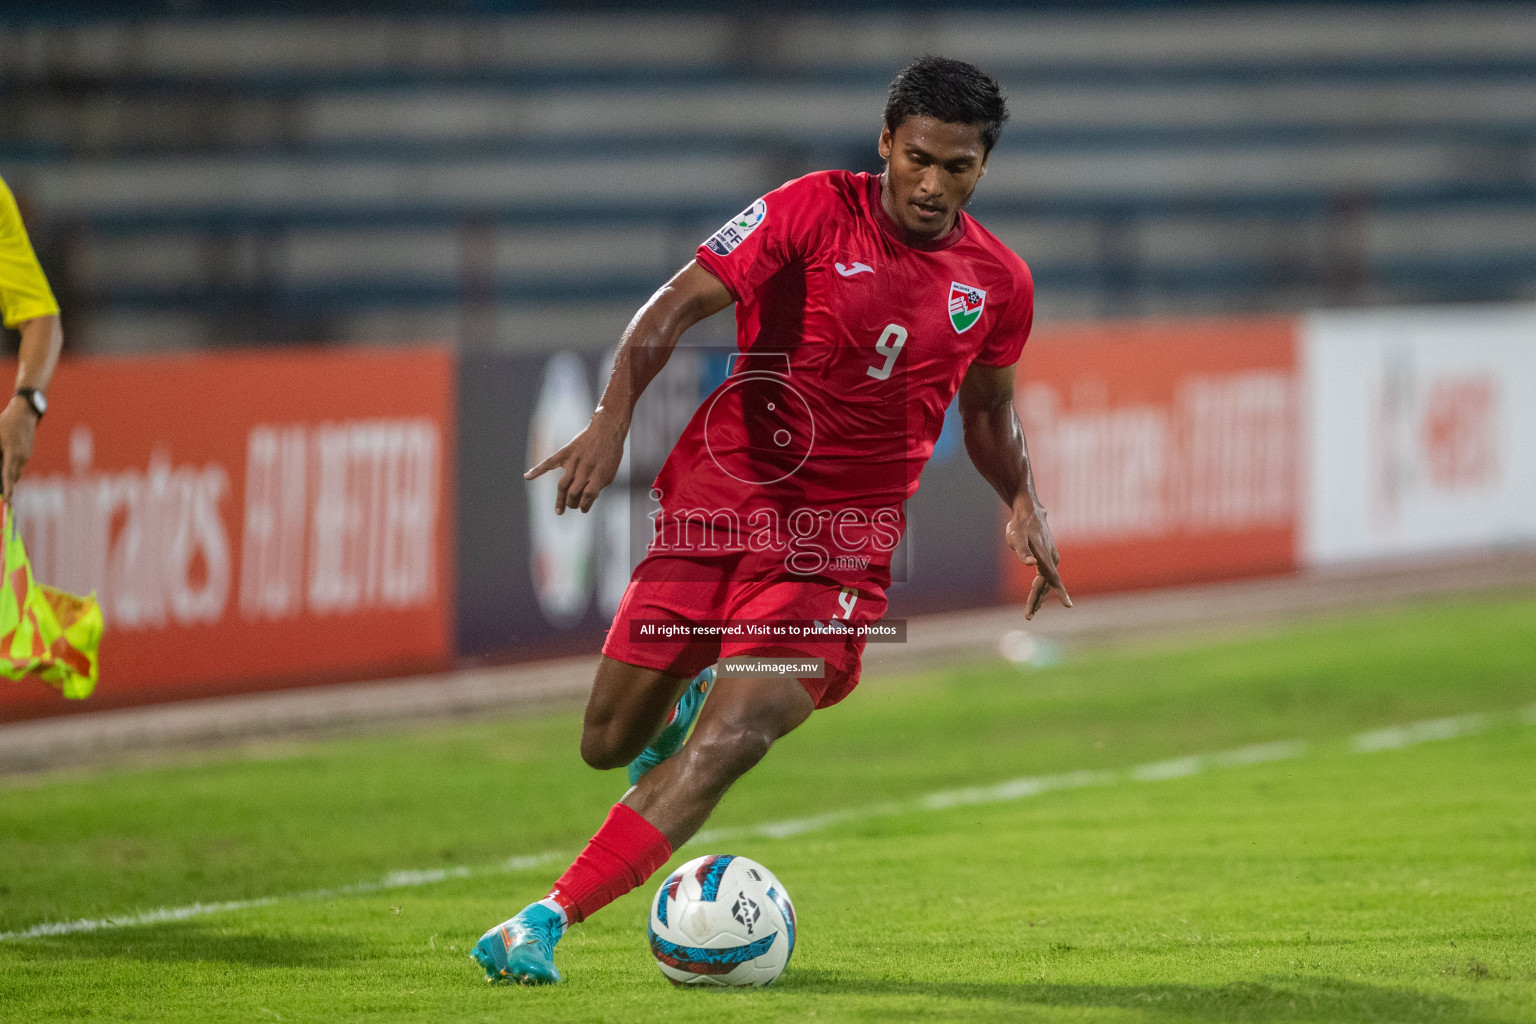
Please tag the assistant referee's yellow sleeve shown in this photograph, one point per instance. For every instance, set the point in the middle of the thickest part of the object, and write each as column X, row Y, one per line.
column 24, row 291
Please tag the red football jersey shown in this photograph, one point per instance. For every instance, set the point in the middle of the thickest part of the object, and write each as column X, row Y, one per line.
column 853, row 343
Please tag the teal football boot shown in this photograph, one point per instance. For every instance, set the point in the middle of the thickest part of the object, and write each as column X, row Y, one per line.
column 670, row 740
column 522, row 950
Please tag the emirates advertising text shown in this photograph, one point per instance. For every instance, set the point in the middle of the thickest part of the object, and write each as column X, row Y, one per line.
column 287, row 518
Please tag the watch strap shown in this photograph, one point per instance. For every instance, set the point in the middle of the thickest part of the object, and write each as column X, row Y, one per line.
column 34, row 399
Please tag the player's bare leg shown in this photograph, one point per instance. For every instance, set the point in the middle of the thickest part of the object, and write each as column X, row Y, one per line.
column 639, row 716
column 735, row 729
column 743, row 718
column 627, row 707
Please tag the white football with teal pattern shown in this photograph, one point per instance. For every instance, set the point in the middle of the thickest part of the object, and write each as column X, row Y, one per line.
column 722, row 920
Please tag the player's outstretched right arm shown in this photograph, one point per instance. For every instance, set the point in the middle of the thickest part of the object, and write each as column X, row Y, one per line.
column 591, row 459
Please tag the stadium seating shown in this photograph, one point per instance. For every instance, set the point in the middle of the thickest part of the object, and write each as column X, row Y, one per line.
column 524, row 181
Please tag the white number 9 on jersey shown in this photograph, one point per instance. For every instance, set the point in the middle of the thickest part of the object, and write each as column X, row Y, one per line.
column 889, row 345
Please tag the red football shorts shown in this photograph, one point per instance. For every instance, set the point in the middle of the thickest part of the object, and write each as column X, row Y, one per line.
column 710, row 588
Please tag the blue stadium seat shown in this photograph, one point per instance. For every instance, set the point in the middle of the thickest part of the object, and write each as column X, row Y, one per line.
column 374, row 177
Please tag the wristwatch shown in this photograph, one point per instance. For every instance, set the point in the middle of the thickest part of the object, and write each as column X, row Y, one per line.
column 34, row 398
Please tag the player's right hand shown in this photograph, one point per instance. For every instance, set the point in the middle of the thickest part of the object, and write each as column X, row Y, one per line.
column 591, row 461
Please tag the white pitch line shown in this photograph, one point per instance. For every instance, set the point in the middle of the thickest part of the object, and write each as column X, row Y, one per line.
column 393, row 880
column 147, row 917
column 1420, row 732
column 1002, row 792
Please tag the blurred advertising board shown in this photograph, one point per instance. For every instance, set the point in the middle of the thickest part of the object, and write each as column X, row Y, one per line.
column 945, row 561
column 532, row 582
column 1164, row 452
column 248, row 520
column 267, row 519
column 1421, row 427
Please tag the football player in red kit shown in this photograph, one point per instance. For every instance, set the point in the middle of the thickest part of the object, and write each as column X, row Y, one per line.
column 864, row 303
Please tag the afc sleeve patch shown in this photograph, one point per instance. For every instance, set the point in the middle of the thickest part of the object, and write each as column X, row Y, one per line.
column 736, row 230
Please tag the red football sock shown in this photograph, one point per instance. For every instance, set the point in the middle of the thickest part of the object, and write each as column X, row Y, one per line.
column 625, row 852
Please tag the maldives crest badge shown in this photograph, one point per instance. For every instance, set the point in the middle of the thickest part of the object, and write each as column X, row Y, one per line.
column 965, row 305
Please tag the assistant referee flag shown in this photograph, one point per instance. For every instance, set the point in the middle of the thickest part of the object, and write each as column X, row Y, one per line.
column 45, row 633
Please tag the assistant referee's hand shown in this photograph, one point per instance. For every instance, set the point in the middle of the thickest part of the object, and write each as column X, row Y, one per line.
column 18, row 427
column 591, row 461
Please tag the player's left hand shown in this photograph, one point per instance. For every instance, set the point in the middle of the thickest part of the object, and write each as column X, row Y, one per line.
column 18, row 427
column 1031, row 540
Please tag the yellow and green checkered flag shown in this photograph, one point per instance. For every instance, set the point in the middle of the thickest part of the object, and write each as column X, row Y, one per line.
column 45, row 633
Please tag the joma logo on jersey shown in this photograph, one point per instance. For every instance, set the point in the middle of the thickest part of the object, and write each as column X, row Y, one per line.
column 736, row 230
column 965, row 305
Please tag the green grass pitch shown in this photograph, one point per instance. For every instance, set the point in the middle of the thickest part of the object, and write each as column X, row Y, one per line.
column 1308, row 882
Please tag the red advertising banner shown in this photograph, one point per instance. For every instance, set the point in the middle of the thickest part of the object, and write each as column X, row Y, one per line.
column 247, row 520
column 1164, row 452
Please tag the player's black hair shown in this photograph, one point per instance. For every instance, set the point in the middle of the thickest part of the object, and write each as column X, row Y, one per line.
column 951, row 91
